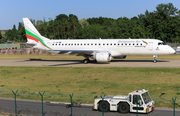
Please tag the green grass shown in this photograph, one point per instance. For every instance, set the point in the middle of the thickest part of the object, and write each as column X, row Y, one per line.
column 85, row 83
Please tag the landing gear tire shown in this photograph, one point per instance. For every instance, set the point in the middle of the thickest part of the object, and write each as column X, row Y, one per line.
column 155, row 60
column 123, row 108
column 85, row 61
column 155, row 56
column 105, row 106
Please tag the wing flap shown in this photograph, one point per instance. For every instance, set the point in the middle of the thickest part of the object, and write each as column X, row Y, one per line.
column 75, row 52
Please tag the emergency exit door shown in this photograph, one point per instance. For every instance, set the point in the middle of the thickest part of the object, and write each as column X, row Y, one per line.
column 150, row 46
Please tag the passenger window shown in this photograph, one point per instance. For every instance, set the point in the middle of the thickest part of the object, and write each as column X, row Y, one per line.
column 95, row 44
column 114, row 44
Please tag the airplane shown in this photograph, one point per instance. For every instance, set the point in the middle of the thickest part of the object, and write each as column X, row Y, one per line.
column 101, row 50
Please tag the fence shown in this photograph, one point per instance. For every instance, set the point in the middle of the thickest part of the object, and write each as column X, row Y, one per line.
column 30, row 112
column 174, row 45
column 90, row 97
column 76, row 97
column 26, row 51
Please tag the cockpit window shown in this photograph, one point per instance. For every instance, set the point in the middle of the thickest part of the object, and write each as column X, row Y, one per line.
column 162, row 43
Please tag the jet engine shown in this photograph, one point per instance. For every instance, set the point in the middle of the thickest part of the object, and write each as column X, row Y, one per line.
column 120, row 57
column 102, row 57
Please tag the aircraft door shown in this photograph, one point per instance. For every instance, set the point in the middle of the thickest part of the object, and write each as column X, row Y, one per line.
column 150, row 46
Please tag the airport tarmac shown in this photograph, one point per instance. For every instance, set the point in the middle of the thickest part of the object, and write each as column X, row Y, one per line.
column 79, row 63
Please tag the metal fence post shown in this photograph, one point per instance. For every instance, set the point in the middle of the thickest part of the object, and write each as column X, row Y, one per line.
column 137, row 105
column 103, row 105
column 71, row 102
column 42, row 101
column 174, row 100
column 15, row 101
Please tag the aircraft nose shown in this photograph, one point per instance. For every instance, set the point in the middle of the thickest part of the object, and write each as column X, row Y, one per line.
column 172, row 51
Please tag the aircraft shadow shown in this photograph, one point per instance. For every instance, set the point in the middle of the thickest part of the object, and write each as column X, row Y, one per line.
column 138, row 61
column 93, row 61
column 55, row 60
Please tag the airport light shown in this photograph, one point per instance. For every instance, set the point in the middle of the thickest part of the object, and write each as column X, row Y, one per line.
column 42, row 101
column 15, row 101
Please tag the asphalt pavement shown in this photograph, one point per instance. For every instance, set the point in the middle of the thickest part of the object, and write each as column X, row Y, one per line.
column 49, row 108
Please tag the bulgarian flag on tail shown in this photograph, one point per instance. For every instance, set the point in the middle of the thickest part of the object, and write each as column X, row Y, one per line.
column 37, row 39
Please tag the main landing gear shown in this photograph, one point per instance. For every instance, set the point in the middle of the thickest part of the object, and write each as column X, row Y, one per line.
column 85, row 61
column 155, row 56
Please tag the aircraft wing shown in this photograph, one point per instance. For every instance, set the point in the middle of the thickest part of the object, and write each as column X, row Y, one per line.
column 76, row 52
column 27, row 45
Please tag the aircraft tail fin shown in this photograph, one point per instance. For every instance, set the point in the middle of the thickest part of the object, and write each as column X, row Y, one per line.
column 33, row 36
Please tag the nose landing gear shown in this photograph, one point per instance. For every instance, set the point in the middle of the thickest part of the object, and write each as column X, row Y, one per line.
column 155, row 56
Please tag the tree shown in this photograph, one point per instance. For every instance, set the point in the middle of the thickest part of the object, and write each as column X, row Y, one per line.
column 21, row 33
column 9, row 35
column 0, row 35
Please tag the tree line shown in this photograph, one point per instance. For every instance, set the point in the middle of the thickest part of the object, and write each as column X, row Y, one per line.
column 162, row 24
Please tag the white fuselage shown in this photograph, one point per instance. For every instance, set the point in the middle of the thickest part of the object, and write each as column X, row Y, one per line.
column 115, row 47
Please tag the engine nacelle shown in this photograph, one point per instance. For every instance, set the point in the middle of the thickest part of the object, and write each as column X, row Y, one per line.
column 102, row 57
column 120, row 57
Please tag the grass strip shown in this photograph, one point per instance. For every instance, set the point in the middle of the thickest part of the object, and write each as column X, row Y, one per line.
column 85, row 83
